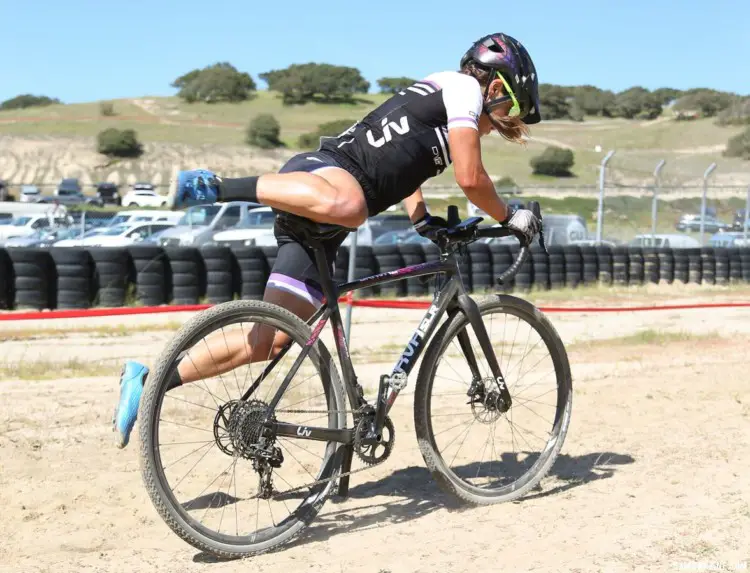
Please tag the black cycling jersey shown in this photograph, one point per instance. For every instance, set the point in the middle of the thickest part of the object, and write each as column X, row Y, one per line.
column 404, row 141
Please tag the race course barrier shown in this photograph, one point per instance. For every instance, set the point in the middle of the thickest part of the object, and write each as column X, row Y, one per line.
column 67, row 278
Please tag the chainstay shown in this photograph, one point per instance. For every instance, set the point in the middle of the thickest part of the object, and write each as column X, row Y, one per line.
column 324, row 480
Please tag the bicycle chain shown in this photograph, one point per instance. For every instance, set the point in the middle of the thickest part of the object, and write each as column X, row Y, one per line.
column 325, row 480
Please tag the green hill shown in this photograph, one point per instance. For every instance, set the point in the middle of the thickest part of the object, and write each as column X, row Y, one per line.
column 179, row 135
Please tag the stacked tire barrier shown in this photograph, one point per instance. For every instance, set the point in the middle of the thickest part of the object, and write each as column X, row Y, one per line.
column 7, row 279
column 152, row 286
column 34, row 278
column 113, row 271
column 188, row 274
column 76, row 277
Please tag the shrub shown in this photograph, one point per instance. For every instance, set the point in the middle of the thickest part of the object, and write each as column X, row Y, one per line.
column 330, row 129
column 263, row 132
column 739, row 145
column 118, row 143
column 27, row 100
column 554, row 161
column 107, row 108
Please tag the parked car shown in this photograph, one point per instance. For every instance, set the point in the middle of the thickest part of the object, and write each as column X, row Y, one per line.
column 259, row 222
column 29, row 194
column 136, row 216
column 693, row 223
column 374, row 227
column 730, row 239
column 117, row 236
column 200, row 223
column 672, row 241
column 108, row 193
column 70, row 192
column 144, row 195
column 26, row 225
column 739, row 220
column 44, row 237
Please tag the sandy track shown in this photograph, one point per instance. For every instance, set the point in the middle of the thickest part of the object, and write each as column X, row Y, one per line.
column 653, row 473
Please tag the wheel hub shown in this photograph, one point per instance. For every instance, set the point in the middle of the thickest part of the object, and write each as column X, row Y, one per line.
column 239, row 430
column 486, row 405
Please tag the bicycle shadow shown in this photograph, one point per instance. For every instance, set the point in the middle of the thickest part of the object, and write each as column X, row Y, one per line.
column 416, row 494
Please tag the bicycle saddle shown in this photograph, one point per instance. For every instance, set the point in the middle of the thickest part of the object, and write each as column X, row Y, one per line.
column 295, row 224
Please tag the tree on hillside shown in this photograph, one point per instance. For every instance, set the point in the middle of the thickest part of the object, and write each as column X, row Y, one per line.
column 215, row 83
column 707, row 102
column 739, row 145
column 666, row 95
column 554, row 101
column 394, row 85
column 300, row 83
column 593, row 101
column 27, row 100
column 637, row 103
column 118, row 143
column 736, row 114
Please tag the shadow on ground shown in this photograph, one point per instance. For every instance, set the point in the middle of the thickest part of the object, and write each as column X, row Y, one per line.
column 417, row 494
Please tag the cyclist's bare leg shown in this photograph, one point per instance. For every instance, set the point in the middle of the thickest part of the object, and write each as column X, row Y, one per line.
column 220, row 353
column 330, row 195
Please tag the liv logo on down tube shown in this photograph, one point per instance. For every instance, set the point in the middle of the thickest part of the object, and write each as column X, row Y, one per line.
column 416, row 339
column 400, row 128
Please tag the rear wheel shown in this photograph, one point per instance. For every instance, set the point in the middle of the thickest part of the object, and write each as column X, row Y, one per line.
column 218, row 479
column 473, row 448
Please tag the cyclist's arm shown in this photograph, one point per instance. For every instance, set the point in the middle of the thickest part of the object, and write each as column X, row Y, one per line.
column 415, row 206
column 471, row 176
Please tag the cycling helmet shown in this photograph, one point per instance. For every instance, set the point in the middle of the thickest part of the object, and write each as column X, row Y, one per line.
column 503, row 54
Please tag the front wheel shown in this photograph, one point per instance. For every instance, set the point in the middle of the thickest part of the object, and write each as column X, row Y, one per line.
column 476, row 448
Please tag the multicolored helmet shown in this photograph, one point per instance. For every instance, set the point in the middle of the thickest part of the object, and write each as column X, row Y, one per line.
column 509, row 58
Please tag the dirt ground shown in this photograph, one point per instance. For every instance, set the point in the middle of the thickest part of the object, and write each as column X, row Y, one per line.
column 652, row 476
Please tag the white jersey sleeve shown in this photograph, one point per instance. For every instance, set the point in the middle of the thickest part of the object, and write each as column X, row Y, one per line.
column 462, row 97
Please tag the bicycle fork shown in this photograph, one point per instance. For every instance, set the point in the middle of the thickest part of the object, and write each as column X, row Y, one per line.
column 471, row 310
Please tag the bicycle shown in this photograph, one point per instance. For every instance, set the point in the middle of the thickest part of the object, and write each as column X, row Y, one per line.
column 256, row 435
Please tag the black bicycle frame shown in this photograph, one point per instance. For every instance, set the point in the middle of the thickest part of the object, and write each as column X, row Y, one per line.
column 450, row 296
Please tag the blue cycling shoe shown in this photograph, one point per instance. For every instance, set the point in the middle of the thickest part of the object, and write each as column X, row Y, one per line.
column 194, row 187
column 131, row 387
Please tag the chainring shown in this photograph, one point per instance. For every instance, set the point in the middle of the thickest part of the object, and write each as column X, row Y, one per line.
column 369, row 451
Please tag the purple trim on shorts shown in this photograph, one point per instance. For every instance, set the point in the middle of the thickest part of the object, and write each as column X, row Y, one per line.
column 297, row 284
column 471, row 119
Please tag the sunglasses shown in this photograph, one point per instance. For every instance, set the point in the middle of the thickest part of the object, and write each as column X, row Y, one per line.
column 515, row 110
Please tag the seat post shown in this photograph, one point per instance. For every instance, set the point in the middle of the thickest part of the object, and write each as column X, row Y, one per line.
column 326, row 281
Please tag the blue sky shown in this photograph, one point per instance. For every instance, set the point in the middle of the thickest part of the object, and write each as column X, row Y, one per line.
column 81, row 50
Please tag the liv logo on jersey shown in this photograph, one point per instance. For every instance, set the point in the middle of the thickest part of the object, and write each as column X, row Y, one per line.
column 400, row 128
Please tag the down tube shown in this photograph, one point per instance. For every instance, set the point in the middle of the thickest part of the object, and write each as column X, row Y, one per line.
column 422, row 335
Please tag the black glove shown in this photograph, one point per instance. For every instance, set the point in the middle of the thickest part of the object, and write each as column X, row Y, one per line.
column 428, row 226
column 523, row 221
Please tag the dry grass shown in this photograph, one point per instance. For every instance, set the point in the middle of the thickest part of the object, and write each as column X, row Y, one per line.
column 650, row 337
column 119, row 330
column 53, row 370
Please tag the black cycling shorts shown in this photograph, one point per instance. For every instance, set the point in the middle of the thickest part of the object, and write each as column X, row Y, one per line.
column 294, row 270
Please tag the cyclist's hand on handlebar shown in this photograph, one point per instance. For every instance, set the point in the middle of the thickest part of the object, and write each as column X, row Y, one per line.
column 523, row 221
column 428, row 226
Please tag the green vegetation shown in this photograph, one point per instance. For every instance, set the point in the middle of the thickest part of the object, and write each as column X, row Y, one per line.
column 739, row 145
column 301, row 83
column 394, row 85
column 216, row 83
column 329, row 129
column 114, row 142
column 554, row 161
column 264, row 131
column 27, row 100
